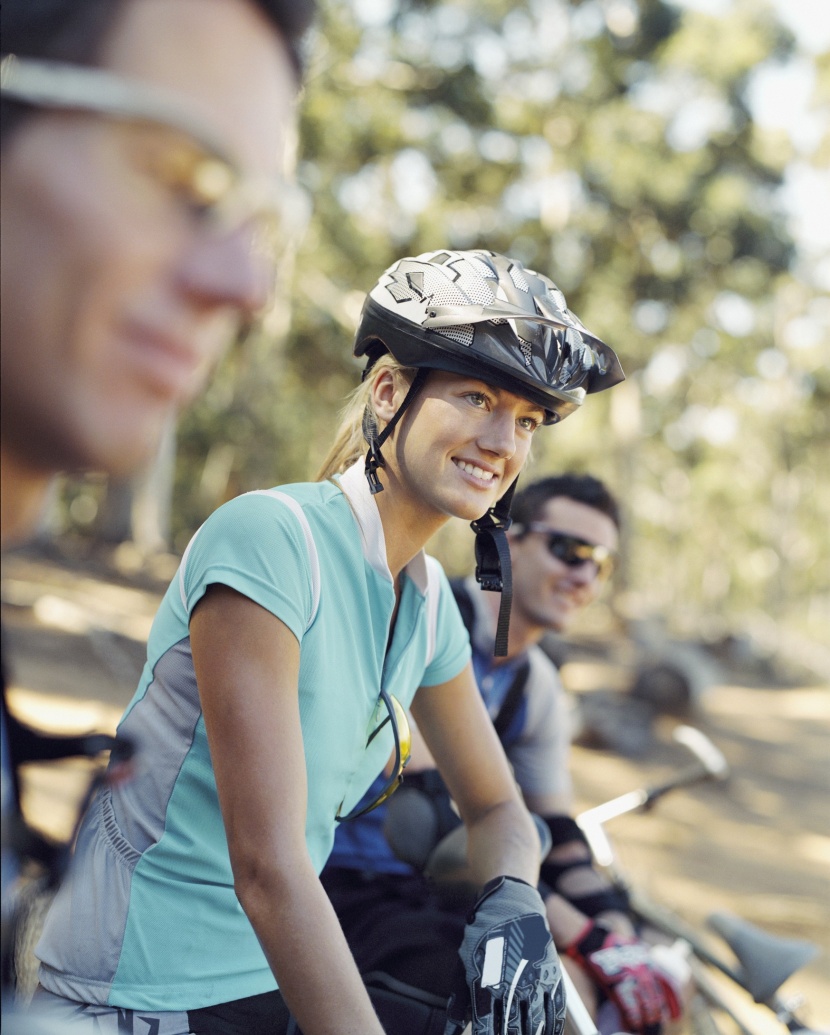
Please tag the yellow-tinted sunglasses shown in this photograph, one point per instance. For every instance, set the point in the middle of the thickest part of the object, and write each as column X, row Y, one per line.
column 195, row 161
column 402, row 734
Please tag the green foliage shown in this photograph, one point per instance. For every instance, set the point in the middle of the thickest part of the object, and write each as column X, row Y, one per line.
column 611, row 146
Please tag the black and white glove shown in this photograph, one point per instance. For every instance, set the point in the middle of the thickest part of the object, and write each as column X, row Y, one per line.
column 513, row 983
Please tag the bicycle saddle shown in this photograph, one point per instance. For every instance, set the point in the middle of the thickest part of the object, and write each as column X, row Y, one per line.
column 766, row 959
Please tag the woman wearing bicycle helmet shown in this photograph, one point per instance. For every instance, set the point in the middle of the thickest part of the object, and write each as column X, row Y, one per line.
column 300, row 626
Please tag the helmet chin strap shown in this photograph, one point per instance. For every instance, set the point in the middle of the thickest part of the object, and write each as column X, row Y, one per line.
column 374, row 458
column 493, row 570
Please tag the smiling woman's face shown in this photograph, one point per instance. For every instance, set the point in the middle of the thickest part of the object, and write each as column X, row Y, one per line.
column 115, row 302
column 463, row 444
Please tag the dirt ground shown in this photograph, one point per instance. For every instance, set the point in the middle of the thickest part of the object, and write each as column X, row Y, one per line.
column 758, row 845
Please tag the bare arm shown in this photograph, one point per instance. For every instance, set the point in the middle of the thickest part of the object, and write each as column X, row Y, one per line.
column 461, row 738
column 565, row 919
column 247, row 665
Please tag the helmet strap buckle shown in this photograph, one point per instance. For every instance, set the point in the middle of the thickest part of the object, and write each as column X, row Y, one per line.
column 493, row 569
column 493, row 572
column 374, row 457
column 492, row 522
column 374, row 460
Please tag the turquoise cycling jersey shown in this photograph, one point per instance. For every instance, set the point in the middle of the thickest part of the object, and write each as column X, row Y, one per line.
column 148, row 918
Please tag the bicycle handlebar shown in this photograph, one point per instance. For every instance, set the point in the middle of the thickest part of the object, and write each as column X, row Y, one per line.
column 710, row 765
column 778, row 958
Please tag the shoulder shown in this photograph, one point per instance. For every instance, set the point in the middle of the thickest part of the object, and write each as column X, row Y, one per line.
column 544, row 691
column 442, row 594
column 448, row 643
column 543, row 669
column 436, row 576
column 261, row 512
column 266, row 545
column 438, row 594
column 462, row 592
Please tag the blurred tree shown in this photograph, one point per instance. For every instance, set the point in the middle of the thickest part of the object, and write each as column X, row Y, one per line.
column 611, row 144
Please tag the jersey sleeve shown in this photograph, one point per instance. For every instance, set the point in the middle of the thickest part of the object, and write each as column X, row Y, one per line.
column 255, row 545
column 452, row 643
column 541, row 755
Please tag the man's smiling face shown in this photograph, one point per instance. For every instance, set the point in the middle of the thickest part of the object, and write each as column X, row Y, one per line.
column 547, row 593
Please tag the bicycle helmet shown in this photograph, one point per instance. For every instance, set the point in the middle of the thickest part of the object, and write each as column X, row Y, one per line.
column 478, row 312
column 482, row 315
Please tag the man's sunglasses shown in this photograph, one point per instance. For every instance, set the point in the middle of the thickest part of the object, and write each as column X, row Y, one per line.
column 402, row 735
column 573, row 551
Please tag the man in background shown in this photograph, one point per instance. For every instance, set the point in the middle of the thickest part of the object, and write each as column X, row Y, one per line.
column 563, row 543
column 146, row 146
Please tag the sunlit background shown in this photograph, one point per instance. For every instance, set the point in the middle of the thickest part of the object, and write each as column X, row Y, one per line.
column 667, row 165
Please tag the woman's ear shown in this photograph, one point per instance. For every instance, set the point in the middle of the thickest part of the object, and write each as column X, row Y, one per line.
column 385, row 396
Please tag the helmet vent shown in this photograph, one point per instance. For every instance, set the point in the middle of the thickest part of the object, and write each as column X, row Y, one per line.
column 400, row 292
column 475, row 265
column 558, row 299
column 519, row 279
column 463, row 333
column 527, row 351
column 441, row 292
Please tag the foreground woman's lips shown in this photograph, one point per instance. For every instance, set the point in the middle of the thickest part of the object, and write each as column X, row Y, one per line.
column 474, row 470
column 169, row 364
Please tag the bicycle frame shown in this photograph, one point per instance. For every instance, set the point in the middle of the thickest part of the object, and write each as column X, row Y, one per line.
column 765, row 961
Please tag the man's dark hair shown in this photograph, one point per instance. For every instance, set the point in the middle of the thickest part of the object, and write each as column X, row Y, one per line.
column 75, row 31
column 583, row 488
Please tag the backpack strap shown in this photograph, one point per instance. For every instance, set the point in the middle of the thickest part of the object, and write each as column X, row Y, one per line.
column 513, row 698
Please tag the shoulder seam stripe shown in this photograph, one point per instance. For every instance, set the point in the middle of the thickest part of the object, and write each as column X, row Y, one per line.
column 183, row 567
column 313, row 558
column 311, row 546
column 433, row 598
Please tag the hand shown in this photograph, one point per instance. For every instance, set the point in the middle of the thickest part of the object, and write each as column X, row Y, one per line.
column 623, row 968
column 512, row 980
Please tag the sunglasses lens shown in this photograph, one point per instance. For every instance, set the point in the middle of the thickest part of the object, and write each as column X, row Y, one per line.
column 573, row 552
column 402, row 734
column 561, row 547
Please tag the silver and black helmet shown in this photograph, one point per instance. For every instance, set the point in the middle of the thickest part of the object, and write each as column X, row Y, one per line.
column 484, row 315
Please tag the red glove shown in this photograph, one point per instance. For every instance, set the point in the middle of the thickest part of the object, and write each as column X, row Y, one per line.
column 622, row 967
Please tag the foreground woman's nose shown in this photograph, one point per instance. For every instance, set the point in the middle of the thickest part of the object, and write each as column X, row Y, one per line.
column 228, row 270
